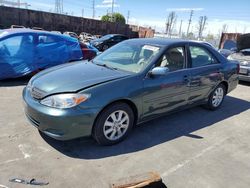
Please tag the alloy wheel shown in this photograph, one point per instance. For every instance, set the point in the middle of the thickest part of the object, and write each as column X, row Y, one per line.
column 116, row 125
column 218, row 97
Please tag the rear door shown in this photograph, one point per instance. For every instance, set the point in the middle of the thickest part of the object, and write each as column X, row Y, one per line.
column 205, row 72
column 50, row 51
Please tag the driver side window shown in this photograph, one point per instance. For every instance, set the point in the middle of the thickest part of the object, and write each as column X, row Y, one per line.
column 173, row 59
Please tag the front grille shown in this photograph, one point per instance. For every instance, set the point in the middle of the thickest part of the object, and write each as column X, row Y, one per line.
column 37, row 93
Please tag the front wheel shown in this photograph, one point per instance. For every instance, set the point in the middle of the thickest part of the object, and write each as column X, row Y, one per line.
column 113, row 124
column 216, row 97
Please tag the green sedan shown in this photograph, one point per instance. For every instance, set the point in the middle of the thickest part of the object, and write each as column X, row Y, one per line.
column 133, row 82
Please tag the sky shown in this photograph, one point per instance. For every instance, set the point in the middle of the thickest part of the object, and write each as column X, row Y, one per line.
column 153, row 13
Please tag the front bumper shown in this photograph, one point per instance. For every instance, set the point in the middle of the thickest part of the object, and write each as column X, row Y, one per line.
column 244, row 74
column 60, row 124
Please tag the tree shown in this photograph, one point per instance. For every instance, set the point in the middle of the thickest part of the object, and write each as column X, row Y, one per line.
column 115, row 17
column 171, row 20
column 201, row 25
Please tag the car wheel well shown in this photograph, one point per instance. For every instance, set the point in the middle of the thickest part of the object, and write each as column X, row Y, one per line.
column 226, row 85
column 126, row 101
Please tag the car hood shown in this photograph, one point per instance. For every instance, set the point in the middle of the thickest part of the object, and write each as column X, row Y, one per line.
column 73, row 77
column 243, row 42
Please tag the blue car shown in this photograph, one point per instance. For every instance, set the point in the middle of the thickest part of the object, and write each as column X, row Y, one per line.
column 24, row 51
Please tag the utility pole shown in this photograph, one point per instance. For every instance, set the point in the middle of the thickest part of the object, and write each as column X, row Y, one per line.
column 59, row 6
column 128, row 16
column 180, row 30
column 112, row 11
column 93, row 8
column 14, row 3
column 190, row 21
column 83, row 12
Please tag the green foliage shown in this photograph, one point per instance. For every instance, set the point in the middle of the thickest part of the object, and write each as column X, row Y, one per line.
column 117, row 17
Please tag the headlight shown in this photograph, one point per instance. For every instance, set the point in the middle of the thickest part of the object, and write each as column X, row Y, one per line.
column 64, row 100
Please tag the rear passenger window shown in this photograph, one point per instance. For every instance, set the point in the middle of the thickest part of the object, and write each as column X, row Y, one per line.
column 46, row 39
column 201, row 57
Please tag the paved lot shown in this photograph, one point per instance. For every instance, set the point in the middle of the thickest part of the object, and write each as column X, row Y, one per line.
column 193, row 148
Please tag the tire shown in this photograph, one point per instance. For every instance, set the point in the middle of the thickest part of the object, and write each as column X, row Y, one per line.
column 113, row 124
column 216, row 97
column 105, row 47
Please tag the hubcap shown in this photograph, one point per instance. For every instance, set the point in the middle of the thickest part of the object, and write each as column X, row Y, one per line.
column 218, row 97
column 116, row 125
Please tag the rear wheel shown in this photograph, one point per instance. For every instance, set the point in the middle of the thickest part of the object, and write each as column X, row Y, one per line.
column 216, row 97
column 113, row 124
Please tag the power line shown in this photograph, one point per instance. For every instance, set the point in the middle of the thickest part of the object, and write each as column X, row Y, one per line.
column 190, row 20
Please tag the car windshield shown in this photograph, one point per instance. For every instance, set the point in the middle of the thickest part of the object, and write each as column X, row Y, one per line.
column 128, row 56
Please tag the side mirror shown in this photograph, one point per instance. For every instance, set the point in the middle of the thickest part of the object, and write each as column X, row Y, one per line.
column 159, row 71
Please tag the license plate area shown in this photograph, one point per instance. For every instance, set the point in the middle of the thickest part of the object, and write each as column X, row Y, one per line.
column 243, row 71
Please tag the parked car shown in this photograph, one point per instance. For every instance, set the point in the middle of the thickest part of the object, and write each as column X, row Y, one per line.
column 38, row 28
column 16, row 26
column 71, row 34
column 89, row 52
column 227, row 44
column 242, row 55
column 107, row 41
column 25, row 51
column 57, row 32
column 86, row 37
column 225, row 52
column 133, row 82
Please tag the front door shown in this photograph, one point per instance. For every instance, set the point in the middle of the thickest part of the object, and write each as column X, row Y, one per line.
column 170, row 91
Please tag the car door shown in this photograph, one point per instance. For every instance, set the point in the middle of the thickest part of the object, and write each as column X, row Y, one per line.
column 168, row 92
column 51, row 50
column 205, row 73
column 17, row 53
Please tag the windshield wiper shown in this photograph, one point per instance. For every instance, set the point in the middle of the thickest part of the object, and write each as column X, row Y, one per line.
column 106, row 66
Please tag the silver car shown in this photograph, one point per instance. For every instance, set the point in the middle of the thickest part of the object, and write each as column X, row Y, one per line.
column 242, row 55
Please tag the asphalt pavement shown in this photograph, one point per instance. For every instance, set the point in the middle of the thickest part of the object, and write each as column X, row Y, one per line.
column 192, row 148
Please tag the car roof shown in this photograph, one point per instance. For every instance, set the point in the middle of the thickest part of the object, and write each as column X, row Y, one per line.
column 7, row 32
column 166, row 41
column 158, row 41
column 24, row 30
column 112, row 35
